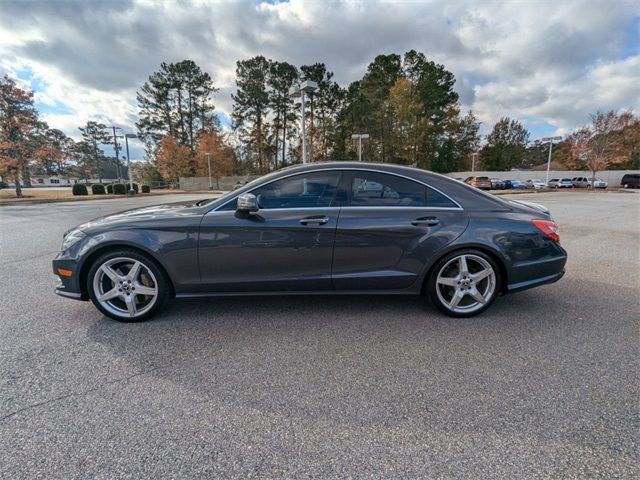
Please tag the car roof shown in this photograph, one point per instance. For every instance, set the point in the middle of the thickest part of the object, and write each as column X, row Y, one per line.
column 468, row 197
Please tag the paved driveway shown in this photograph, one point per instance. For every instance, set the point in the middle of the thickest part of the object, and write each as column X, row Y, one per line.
column 544, row 384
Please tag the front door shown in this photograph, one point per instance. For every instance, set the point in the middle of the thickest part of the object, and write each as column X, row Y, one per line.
column 286, row 245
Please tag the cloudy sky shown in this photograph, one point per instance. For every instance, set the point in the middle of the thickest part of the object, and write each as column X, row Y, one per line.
column 547, row 63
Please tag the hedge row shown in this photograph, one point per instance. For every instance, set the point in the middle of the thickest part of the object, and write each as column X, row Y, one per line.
column 112, row 188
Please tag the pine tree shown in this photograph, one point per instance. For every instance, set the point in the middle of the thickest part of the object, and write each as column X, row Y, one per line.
column 176, row 101
column 506, row 145
column 94, row 134
column 250, row 108
column 282, row 76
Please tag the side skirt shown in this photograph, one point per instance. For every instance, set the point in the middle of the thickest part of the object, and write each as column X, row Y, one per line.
column 296, row 292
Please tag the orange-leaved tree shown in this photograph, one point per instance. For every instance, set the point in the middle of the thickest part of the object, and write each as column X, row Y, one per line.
column 601, row 143
column 173, row 160
column 213, row 150
column 18, row 119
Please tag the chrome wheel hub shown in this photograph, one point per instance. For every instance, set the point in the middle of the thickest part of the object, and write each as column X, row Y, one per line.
column 466, row 283
column 125, row 287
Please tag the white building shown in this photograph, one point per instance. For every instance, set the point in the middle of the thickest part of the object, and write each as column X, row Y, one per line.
column 52, row 180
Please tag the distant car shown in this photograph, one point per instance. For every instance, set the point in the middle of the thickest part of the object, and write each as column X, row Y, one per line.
column 564, row 183
column 553, row 183
column 483, row 183
column 368, row 186
column 497, row 184
column 580, row 182
column 536, row 184
column 630, row 180
column 598, row 183
column 514, row 185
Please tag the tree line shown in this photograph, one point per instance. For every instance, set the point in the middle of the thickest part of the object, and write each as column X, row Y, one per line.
column 406, row 103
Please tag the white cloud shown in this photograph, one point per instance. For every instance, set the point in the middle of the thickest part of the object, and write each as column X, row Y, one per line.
column 553, row 62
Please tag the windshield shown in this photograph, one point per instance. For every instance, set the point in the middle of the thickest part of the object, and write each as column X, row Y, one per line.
column 227, row 195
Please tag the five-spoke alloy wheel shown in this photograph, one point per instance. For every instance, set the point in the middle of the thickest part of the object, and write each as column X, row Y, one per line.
column 126, row 285
column 464, row 283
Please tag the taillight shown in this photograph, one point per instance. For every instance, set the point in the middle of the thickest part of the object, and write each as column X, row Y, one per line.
column 549, row 228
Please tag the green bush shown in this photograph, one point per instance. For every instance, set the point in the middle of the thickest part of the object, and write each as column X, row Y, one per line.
column 110, row 188
column 79, row 189
column 119, row 189
column 97, row 189
column 136, row 188
column 146, row 189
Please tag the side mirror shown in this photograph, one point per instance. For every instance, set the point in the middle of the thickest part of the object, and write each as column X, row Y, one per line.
column 247, row 202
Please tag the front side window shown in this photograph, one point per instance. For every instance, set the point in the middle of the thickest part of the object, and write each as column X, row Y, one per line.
column 307, row 190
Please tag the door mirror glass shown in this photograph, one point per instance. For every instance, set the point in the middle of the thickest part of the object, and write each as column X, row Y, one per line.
column 247, row 202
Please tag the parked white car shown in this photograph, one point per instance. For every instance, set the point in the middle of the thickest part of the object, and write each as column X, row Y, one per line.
column 536, row 184
column 564, row 183
column 598, row 183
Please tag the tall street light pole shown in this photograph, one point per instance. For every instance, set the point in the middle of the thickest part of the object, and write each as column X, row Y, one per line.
column 126, row 142
column 208, row 157
column 550, row 140
column 359, row 137
column 474, row 155
column 299, row 90
column 116, row 147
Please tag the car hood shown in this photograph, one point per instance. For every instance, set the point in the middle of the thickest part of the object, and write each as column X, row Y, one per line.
column 142, row 215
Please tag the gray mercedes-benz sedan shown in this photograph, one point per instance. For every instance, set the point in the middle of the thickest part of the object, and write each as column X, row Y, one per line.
column 356, row 228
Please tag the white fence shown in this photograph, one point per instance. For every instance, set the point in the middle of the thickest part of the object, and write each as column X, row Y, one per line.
column 611, row 176
column 191, row 184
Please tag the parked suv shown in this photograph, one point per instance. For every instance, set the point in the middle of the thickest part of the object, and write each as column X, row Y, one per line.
column 483, row 183
column 631, row 180
column 580, row 182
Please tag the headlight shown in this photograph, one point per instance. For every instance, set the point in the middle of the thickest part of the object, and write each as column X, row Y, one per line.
column 71, row 237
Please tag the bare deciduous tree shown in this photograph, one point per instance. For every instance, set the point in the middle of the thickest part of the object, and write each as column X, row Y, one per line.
column 598, row 145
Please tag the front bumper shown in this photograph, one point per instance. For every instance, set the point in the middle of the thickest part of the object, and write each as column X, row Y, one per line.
column 68, row 287
column 60, row 290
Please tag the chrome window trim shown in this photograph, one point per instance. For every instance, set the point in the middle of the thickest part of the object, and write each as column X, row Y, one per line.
column 344, row 170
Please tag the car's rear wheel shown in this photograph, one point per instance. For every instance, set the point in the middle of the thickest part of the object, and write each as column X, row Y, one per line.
column 464, row 283
column 127, row 286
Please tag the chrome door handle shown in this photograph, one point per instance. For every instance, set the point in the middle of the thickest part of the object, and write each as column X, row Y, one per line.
column 425, row 222
column 314, row 220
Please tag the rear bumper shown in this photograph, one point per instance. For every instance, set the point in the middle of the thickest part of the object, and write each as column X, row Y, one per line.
column 518, row 287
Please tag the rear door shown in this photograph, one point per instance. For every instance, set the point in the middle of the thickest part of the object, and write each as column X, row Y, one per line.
column 390, row 230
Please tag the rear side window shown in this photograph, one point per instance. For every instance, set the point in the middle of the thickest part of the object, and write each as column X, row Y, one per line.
column 436, row 199
column 371, row 189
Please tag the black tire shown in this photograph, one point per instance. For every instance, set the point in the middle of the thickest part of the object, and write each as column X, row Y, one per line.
column 432, row 287
column 157, row 279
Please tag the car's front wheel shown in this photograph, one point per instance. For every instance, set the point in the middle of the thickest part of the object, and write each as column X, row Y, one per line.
column 127, row 285
column 464, row 283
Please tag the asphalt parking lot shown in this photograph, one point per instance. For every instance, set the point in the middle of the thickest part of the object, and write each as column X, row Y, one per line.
column 544, row 384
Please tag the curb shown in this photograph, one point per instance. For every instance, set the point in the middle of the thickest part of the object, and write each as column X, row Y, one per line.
column 80, row 198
